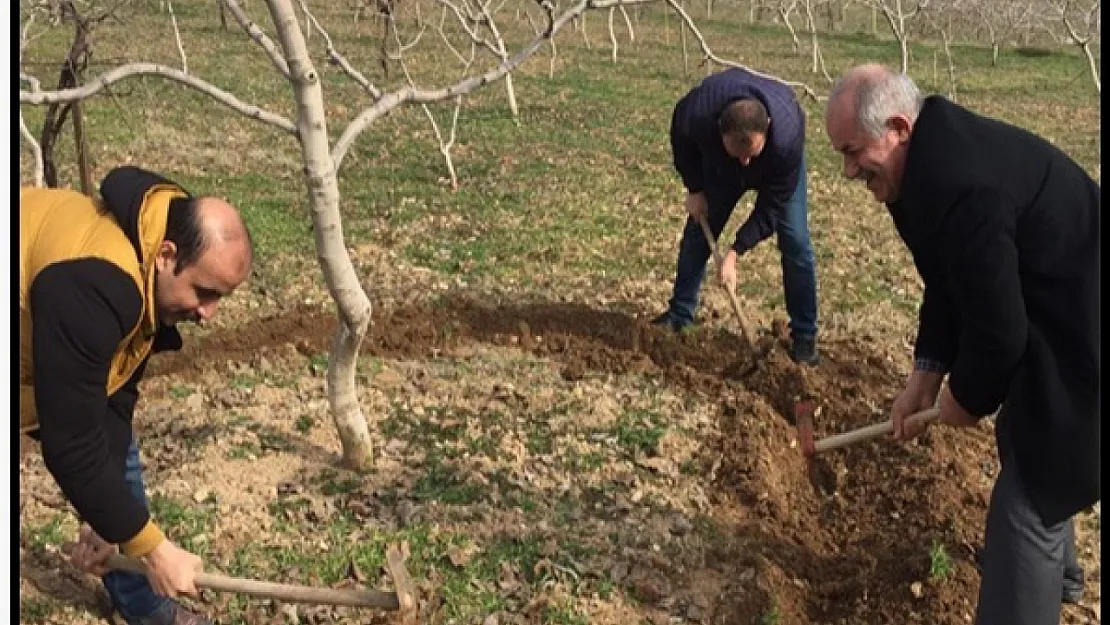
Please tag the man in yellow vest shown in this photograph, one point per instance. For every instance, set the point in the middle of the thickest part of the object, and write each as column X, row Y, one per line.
column 102, row 284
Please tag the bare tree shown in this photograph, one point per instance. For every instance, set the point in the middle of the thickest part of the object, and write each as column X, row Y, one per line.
column 70, row 75
column 815, row 46
column 1001, row 19
column 942, row 19
column 785, row 8
column 899, row 14
column 322, row 158
column 1083, row 27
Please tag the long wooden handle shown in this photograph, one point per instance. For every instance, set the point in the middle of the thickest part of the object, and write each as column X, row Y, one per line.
column 286, row 592
column 744, row 327
column 871, row 431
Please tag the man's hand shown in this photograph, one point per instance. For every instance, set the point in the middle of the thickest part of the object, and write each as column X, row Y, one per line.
column 696, row 206
column 920, row 394
column 727, row 270
column 952, row 413
column 91, row 551
column 171, row 570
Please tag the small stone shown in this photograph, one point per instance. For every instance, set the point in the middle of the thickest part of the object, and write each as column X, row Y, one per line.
column 201, row 495
column 747, row 574
column 195, row 401
column 917, row 590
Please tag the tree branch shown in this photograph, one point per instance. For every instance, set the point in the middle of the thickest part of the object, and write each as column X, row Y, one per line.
column 109, row 78
column 716, row 59
column 36, row 152
column 338, row 59
column 177, row 38
column 392, row 100
column 258, row 36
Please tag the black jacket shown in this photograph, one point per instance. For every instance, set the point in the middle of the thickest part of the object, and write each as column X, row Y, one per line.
column 83, row 309
column 701, row 159
column 1004, row 230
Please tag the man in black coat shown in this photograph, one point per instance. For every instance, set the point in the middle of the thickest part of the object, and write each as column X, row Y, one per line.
column 735, row 132
column 1004, row 230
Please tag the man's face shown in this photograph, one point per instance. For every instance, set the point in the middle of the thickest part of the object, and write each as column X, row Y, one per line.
column 878, row 161
column 743, row 147
column 195, row 292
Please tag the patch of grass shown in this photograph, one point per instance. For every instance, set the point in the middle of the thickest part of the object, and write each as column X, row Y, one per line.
column 563, row 615
column 244, row 451
column 540, row 441
column 318, row 364
column 188, row 523
column 639, row 431
column 940, row 563
column 444, row 484
column 771, row 616
column 605, row 588
column 179, row 391
column 53, row 533
column 244, row 381
column 34, row 610
column 304, row 423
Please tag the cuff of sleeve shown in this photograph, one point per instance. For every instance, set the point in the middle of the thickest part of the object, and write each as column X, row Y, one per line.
column 144, row 542
column 930, row 365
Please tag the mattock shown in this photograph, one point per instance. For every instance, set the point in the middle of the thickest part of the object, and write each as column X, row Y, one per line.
column 402, row 600
column 757, row 349
column 803, row 418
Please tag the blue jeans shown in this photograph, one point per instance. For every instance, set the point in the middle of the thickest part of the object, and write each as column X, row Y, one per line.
column 799, row 277
column 131, row 593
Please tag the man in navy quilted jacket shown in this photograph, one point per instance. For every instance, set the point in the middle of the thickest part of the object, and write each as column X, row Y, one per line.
column 735, row 132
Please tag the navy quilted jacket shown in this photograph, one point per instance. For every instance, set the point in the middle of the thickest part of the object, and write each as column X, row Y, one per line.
column 701, row 160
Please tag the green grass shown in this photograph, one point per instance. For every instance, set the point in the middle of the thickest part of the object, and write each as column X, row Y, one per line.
column 52, row 533
column 940, row 563
column 33, row 610
column 188, row 522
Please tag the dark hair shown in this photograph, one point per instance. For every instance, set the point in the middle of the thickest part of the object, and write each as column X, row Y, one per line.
column 183, row 228
column 746, row 116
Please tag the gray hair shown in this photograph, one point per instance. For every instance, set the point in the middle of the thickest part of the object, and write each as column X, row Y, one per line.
column 879, row 95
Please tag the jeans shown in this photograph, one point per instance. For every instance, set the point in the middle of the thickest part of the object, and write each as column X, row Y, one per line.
column 799, row 278
column 131, row 593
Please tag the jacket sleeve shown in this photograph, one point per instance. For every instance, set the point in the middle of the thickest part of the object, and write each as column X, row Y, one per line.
column 937, row 332
column 986, row 289
column 81, row 312
column 687, row 155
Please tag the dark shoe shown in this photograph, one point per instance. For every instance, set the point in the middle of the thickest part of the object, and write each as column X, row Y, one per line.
column 171, row 613
column 804, row 351
column 667, row 321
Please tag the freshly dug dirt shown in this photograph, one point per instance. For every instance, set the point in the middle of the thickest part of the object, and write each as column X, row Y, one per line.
column 856, row 549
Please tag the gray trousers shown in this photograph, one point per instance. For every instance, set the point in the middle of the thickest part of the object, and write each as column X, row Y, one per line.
column 1026, row 565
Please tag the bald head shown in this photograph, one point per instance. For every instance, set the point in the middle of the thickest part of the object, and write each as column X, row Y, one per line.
column 871, row 94
column 221, row 225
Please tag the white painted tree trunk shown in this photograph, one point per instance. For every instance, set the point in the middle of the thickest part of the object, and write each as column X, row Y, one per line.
column 339, row 273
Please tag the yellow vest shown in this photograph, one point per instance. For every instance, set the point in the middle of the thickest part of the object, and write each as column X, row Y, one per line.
column 57, row 225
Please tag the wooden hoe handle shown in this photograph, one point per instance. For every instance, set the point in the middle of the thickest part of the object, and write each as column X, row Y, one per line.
column 286, row 592
column 871, row 431
column 744, row 327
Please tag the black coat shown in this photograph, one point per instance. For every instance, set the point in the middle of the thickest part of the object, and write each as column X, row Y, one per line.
column 1004, row 230
column 700, row 156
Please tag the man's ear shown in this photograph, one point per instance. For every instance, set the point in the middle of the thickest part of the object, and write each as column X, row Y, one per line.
column 166, row 258
column 902, row 127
